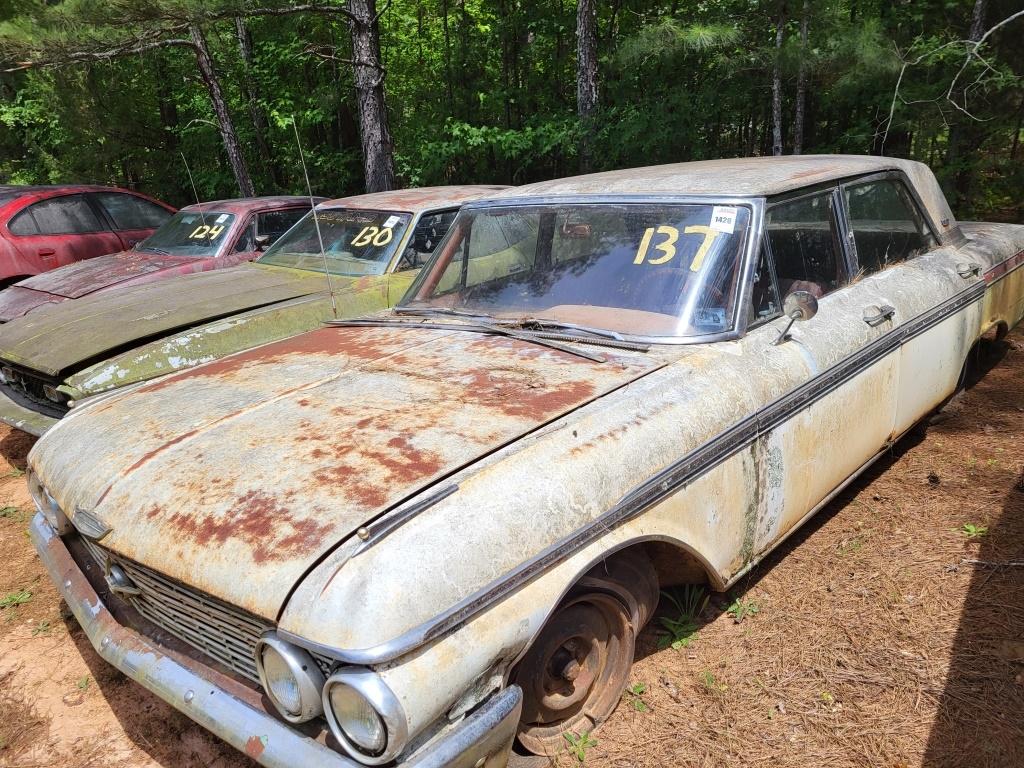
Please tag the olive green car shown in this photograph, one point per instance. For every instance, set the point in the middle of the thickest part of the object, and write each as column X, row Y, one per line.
column 358, row 255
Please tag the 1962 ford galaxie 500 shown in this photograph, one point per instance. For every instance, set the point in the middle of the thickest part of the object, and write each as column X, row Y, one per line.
column 412, row 537
column 370, row 245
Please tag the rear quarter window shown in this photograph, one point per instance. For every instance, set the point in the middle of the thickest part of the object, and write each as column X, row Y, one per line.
column 130, row 212
column 66, row 215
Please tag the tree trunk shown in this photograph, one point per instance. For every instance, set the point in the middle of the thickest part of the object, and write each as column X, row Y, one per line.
column 256, row 113
column 780, row 32
column 586, row 77
column 378, row 151
column 962, row 134
column 801, row 85
column 227, row 128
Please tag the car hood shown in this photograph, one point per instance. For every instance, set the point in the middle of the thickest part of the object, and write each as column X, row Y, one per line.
column 261, row 463
column 59, row 338
column 85, row 277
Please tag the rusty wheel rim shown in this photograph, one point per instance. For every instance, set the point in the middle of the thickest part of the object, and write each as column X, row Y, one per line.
column 574, row 674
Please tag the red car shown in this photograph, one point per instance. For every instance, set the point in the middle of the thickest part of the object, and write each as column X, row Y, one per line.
column 42, row 228
column 196, row 239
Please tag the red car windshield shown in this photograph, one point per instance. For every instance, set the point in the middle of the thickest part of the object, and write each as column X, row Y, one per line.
column 190, row 233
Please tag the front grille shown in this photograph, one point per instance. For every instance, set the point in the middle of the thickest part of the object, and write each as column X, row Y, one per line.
column 25, row 387
column 223, row 632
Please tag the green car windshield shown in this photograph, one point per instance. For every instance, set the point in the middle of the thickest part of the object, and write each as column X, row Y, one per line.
column 638, row 269
column 190, row 233
column 355, row 242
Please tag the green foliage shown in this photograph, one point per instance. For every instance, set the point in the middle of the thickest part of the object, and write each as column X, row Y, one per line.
column 680, row 629
column 635, row 695
column 485, row 91
column 12, row 599
column 741, row 608
column 579, row 744
column 972, row 531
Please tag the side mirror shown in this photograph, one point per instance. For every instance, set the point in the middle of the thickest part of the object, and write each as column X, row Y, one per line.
column 799, row 305
column 262, row 241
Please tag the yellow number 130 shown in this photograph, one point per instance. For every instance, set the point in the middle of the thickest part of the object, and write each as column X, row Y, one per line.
column 667, row 247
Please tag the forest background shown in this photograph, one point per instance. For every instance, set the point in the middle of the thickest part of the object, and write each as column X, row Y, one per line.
column 392, row 93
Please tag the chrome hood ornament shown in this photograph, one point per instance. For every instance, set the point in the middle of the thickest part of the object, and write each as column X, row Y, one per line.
column 90, row 525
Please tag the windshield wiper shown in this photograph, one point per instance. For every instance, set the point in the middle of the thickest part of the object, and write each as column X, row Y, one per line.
column 543, row 324
column 153, row 249
column 419, row 311
column 533, row 337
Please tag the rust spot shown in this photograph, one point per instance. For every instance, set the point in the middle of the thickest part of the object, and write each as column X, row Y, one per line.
column 254, row 747
column 304, row 402
column 258, row 520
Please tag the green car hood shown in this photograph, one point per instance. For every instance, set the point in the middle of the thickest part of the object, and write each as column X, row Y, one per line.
column 245, row 330
column 59, row 338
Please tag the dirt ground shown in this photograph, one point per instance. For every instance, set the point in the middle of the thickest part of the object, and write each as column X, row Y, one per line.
column 889, row 632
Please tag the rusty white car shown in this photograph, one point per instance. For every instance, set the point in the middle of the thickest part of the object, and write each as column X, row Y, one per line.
column 414, row 537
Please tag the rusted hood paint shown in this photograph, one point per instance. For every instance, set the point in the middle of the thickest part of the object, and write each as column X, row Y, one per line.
column 239, row 475
column 58, row 338
column 84, row 277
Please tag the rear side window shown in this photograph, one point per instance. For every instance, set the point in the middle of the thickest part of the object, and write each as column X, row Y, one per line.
column 802, row 239
column 130, row 212
column 276, row 223
column 425, row 237
column 66, row 215
column 886, row 224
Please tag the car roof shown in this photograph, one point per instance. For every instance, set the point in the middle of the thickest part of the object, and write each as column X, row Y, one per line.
column 747, row 177
column 417, row 199
column 10, row 192
column 248, row 204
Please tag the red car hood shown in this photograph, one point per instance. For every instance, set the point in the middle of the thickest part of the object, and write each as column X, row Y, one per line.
column 84, row 277
column 261, row 463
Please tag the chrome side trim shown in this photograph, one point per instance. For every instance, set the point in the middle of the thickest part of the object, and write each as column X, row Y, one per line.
column 655, row 489
column 378, row 530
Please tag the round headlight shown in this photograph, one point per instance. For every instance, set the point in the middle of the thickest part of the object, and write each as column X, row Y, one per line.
column 358, row 719
column 291, row 679
column 365, row 716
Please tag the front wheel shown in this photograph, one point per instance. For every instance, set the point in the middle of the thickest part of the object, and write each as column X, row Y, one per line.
column 577, row 668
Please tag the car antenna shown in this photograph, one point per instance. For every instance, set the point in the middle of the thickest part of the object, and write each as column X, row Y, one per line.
column 202, row 216
column 316, row 220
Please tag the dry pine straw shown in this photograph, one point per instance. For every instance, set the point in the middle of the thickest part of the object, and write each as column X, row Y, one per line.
column 874, row 645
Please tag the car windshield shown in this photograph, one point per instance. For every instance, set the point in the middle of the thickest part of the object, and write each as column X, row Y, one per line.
column 190, row 233
column 355, row 242
column 650, row 269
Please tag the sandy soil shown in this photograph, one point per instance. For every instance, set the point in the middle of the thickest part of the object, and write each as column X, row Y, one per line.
column 884, row 635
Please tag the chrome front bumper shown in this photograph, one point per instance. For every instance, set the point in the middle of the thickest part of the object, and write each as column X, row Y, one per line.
column 482, row 740
column 25, row 419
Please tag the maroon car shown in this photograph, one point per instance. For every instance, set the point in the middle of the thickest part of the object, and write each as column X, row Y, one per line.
column 196, row 239
column 45, row 227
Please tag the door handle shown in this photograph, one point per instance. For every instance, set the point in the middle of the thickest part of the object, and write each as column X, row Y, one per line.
column 877, row 315
column 968, row 270
column 47, row 251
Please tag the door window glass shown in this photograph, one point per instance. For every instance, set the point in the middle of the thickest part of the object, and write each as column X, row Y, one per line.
column 130, row 212
column 425, row 237
column 801, row 235
column 276, row 223
column 246, row 240
column 764, row 298
column 66, row 215
column 886, row 225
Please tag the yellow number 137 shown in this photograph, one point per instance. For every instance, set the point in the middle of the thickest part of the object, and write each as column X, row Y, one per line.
column 667, row 247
